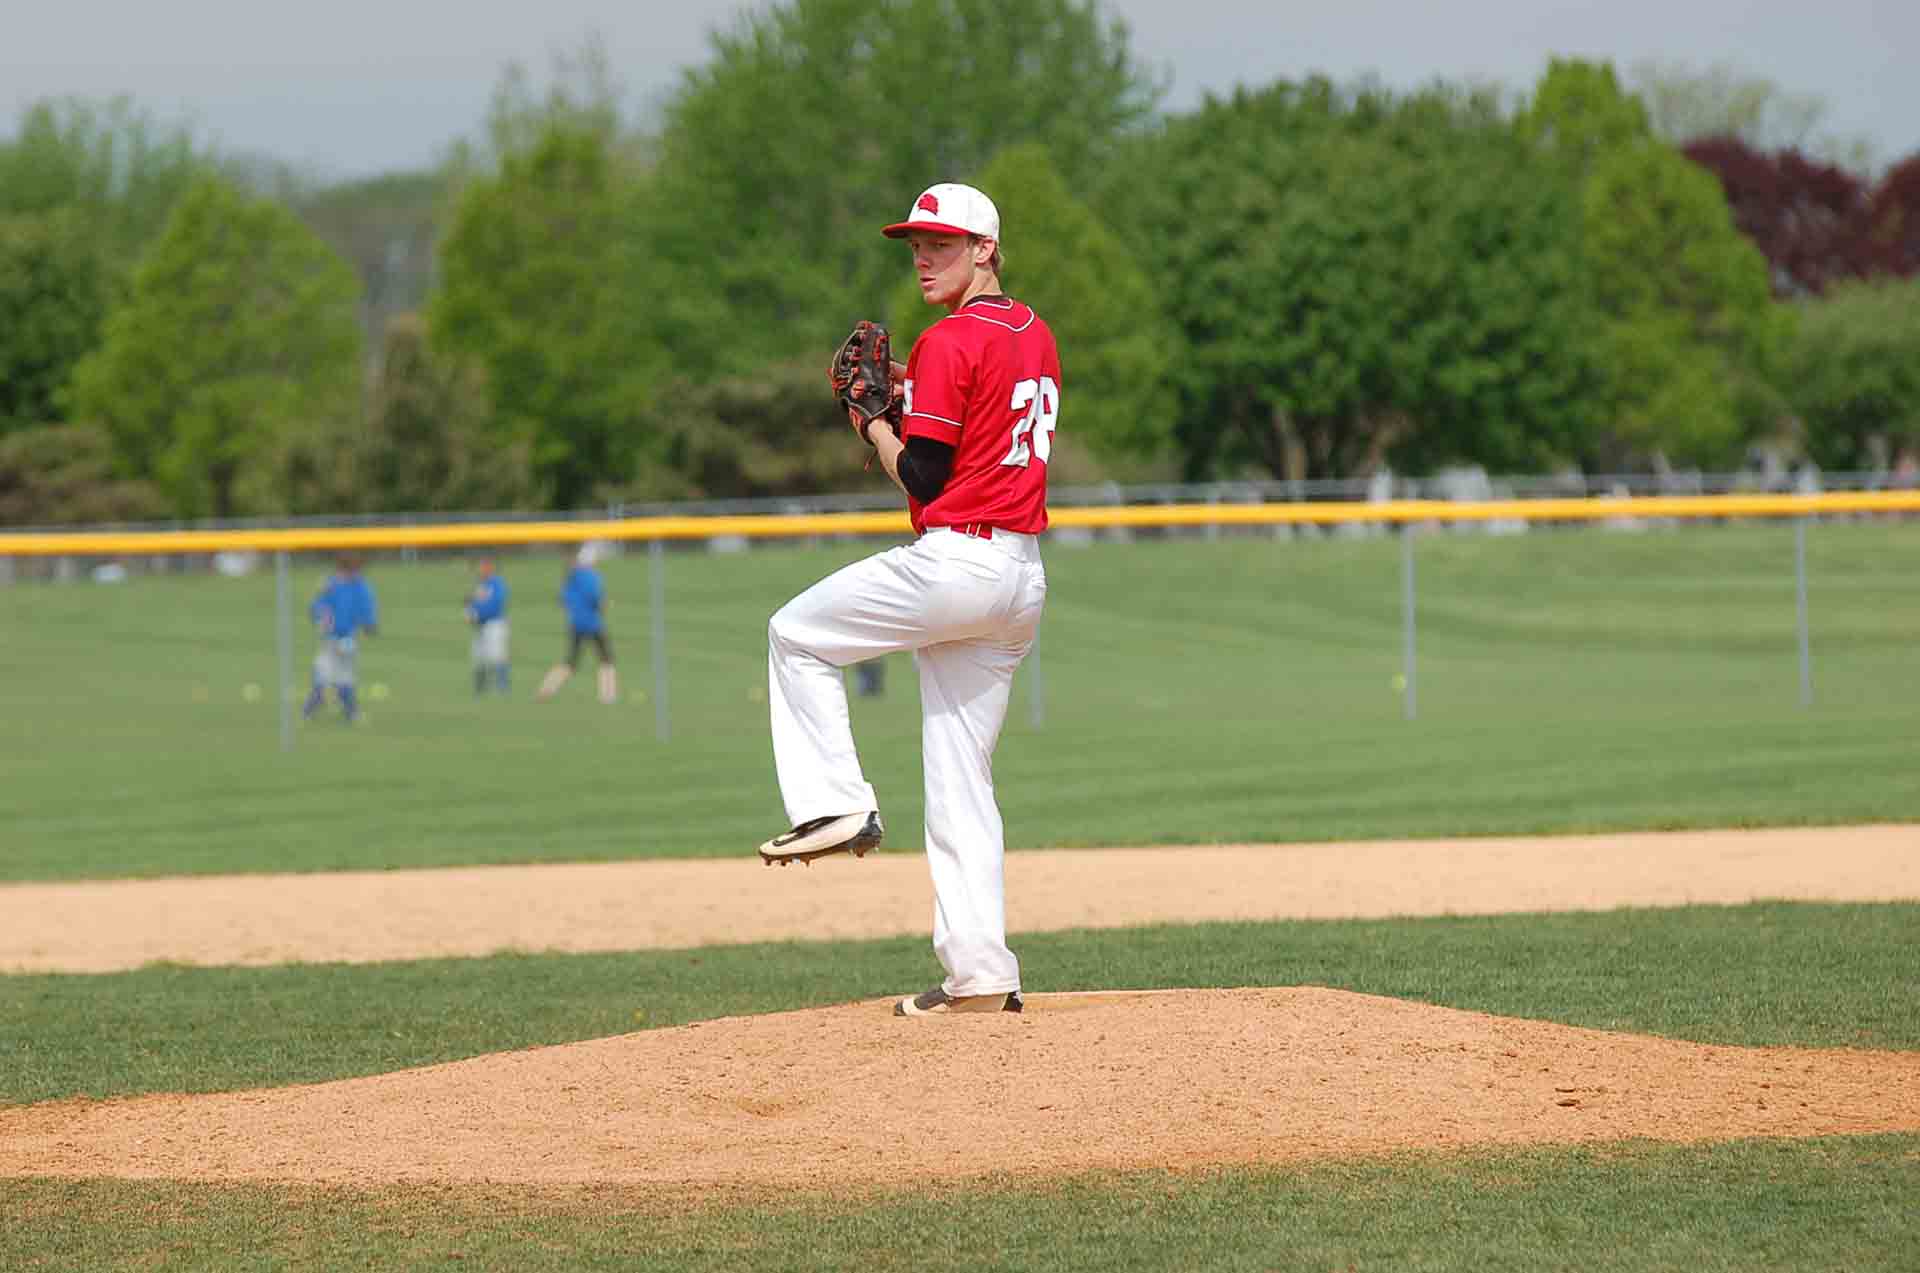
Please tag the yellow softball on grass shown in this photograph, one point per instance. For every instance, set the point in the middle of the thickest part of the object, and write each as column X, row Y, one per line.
column 377, row 691
column 251, row 692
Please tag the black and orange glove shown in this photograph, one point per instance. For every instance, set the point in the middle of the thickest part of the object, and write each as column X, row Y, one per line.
column 861, row 374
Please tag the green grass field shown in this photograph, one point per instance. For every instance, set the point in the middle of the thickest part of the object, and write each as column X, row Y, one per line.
column 1193, row 692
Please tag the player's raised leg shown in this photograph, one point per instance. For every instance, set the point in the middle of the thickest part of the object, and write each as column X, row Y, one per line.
column 828, row 800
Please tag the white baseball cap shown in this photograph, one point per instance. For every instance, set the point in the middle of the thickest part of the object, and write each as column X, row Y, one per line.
column 949, row 208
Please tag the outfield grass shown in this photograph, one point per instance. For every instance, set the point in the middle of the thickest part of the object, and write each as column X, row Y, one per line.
column 1194, row 692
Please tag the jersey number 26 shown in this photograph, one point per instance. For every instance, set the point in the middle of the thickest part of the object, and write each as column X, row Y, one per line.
column 1033, row 432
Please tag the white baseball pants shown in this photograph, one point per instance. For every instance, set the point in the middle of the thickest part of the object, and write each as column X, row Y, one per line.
column 490, row 642
column 969, row 609
column 336, row 663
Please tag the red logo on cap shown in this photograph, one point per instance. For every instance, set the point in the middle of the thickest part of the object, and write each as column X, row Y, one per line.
column 928, row 204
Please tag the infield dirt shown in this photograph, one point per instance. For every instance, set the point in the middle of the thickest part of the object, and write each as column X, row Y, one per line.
column 1079, row 1082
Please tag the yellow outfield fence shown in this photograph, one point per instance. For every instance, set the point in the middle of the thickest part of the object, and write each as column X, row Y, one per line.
column 658, row 529
column 770, row 526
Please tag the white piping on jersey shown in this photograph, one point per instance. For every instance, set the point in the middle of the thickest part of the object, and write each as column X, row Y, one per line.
column 966, row 312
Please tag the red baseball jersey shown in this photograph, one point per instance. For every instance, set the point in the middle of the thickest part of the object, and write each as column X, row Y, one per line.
column 986, row 380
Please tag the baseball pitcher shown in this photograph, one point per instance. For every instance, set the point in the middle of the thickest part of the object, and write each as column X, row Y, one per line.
column 964, row 429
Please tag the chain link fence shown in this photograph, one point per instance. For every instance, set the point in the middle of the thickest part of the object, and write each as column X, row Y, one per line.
column 1452, row 485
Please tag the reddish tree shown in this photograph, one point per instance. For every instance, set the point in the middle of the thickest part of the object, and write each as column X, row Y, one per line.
column 1896, row 217
column 1812, row 221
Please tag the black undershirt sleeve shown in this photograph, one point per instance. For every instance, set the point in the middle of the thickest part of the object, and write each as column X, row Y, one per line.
column 925, row 467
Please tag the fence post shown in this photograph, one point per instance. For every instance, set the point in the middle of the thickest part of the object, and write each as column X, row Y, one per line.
column 1409, row 697
column 283, row 625
column 657, row 569
column 1800, row 602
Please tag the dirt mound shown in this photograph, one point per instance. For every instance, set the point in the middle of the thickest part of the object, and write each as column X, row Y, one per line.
column 850, row 1096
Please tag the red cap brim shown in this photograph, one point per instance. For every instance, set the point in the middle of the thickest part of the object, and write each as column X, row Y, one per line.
column 901, row 229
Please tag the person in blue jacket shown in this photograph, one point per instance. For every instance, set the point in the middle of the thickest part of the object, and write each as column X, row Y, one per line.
column 341, row 611
column 487, row 612
column 584, row 599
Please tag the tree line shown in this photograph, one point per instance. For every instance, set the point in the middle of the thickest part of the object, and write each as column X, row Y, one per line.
column 1301, row 279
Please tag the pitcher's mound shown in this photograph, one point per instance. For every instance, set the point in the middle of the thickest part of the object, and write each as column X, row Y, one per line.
column 851, row 1098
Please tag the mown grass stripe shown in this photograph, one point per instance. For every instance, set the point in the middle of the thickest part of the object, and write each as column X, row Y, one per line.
column 1767, row 974
column 1770, row 1205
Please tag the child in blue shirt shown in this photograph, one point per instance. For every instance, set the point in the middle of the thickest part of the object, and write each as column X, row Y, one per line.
column 584, row 599
column 342, row 609
column 487, row 612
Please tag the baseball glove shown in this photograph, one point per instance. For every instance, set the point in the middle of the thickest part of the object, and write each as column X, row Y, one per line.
column 861, row 374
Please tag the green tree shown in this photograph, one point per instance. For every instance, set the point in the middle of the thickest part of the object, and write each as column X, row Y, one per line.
column 773, row 431
column 1360, row 279
column 1115, row 345
column 428, row 443
column 546, row 285
column 1687, row 325
column 816, row 121
column 240, row 327
column 64, row 475
column 387, row 228
column 1853, row 373
column 1579, row 113
column 83, row 189
column 112, row 164
column 1690, row 321
column 55, row 289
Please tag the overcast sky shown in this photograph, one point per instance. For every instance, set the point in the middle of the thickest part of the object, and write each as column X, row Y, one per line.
column 354, row 87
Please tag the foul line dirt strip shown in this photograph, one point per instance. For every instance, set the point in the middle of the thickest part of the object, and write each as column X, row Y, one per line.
column 797, row 1099
column 364, row 917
